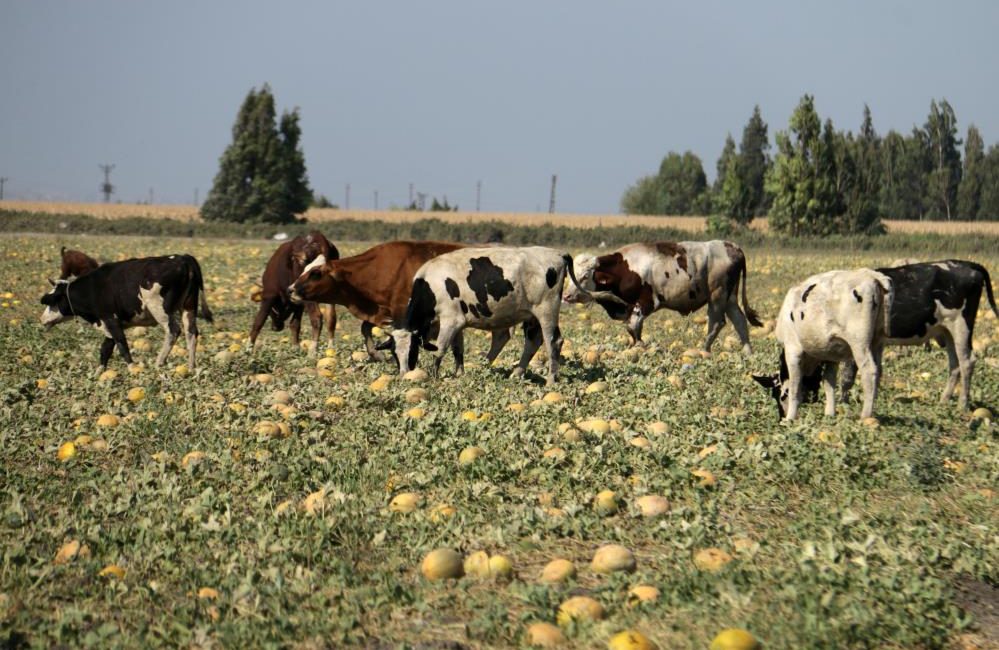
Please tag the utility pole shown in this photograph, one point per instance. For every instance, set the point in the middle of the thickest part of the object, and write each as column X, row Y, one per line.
column 3, row 179
column 346, row 200
column 421, row 200
column 551, row 201
column 478, row 195
column 106, row 187
column 376, row 199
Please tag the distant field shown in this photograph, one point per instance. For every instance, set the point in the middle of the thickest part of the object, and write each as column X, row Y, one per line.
column 690, row 224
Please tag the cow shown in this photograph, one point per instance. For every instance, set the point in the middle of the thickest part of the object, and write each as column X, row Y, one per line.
column 937, row 301
column 144, row 291
column 492, row 289
column 375, row 286
column 830, row 318
column 75, row 264
column 681, row 276
column 284, row 266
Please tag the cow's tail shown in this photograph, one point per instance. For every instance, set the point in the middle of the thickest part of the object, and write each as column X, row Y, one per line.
column 751, row 315
column 199, row 287
column 595, row 295
column 988, row 286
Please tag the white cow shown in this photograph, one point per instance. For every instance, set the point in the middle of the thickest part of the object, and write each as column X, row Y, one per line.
column 829, row 318
column 492, row 289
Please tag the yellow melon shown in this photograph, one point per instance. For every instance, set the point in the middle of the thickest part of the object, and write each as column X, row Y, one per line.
column 612, row 558
column 558, row 570
column 735, row 639
column 544, row 635
column 442, row 564
column 580, row 608
column 630, row 640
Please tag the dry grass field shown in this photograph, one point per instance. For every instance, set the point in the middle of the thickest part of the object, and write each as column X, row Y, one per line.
column 320, row 215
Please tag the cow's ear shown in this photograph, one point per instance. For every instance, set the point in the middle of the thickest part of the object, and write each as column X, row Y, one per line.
column 52, row 282
column 336, row 274
column 62, row 251
column 767, row 381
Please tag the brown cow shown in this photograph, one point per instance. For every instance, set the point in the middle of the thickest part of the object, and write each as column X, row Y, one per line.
column 282, row 269
column 75, row 264
column 375, row 286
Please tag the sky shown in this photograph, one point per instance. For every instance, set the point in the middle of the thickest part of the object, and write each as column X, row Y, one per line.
column 445, row 94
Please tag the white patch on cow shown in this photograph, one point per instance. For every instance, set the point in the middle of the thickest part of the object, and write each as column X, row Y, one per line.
column 319, row 261
column 583, row 266
column 153, row 311
column 52, row 316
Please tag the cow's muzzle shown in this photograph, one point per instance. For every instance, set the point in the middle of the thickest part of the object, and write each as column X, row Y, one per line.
column 294, row 295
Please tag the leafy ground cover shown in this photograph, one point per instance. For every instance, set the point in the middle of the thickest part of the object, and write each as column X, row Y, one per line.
column 186, row 520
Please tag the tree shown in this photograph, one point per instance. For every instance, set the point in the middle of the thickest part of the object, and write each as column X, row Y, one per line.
column 754, row 161
column 721, row 167
column 642, row 197
column 682, row 184
column 905, row 167
column 262, row 175
column 988, row 207
column 969, row 192
column 945, row 173
column 794, row 177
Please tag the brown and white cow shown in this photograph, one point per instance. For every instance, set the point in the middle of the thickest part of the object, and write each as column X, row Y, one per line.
column 832, row 317
column 375, row 285
column 681, row 276
column 283, row 268
column 75, row 263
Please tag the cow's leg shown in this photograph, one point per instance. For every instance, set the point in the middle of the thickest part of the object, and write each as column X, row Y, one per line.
column 445, row 336
column 847, row 378
column 532, row 341
column 191, row 333
column 498, row 342
column 634, row 324
column 829, row 385
column 794, row 362
column 867, row 366
column 118, row 338
column 740, row 324
column 953, row 369
column 458, row 347
column 965, row 361
column 295, row 325
column 316, row 320
column 258, row 322
column 171, row 330
column 369, row 342
column 330, row 324
column 716, row 321
column 107, row 349
column 553, row 345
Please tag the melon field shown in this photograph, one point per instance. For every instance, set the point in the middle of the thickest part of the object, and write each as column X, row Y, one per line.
column 286, row 500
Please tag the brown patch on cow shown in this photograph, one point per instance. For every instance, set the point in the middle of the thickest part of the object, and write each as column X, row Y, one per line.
column 612, row 273
column 737, row 261
column 672, row 249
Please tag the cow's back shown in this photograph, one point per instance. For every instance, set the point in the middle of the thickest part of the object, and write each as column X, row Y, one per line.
column 278, row 274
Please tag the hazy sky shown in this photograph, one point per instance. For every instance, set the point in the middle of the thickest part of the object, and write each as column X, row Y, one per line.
column 443, row 94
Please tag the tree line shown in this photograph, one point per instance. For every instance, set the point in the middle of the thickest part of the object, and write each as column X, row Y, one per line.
column 823, row 181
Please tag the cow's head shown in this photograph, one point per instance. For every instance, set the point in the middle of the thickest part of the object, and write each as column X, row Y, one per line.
column 404, row 346
column 75, row 264
column 306, row 249
column 584, row 267
column 316, row 280
column 58, row 308
column 779, row 388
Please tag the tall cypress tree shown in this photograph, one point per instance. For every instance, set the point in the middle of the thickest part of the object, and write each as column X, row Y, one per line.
column 754, row 161
column 721, row 167
column 261, row 174
column 969, row 192
column 988, row 207
column 945, row 173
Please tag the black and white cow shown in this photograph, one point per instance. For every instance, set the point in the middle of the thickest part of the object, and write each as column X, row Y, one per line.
column 937, row 301
column 682, row 276
column 492, row 289
column 145, row 291
column 830, row 318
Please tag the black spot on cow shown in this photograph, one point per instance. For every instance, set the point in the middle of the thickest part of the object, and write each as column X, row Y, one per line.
column 551, row 276
column 692, row 294
column 421, row 312
column 804, row 296
column 672, row 249
column 792, row 316
column 486, row 281
column 452, row 288
column 801, row 315
column 464, row 306
column 474, row 310
column 857, row 296
column 667, row 275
